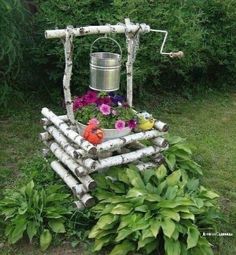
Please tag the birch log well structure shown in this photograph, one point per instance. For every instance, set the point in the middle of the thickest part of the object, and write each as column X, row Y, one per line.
column 76, row 158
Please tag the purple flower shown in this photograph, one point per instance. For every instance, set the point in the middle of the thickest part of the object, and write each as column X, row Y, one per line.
column 105, row 109
column 120, row 125
column 116, row 99
column 90, row 97
column 132, row 124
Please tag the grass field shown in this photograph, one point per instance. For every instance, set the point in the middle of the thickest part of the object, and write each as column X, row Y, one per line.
column 208, row 123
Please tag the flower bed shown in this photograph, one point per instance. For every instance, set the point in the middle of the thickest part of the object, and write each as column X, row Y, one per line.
column 109, row 111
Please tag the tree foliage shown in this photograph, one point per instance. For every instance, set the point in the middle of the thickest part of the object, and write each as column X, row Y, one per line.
column 202, row 29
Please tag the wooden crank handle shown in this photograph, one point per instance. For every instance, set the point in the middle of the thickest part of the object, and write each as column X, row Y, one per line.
column 178, row 54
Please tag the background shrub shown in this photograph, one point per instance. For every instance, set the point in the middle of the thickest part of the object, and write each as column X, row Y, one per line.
column 202, row 29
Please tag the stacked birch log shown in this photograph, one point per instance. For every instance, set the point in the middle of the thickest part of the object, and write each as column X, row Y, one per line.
column 76, row 158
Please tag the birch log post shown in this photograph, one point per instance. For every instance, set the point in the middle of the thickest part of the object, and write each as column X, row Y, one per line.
column 68, row 132
column 119, row 142
column 75, row 168
column 63, row 142
column 129, row 65
column 78, row 189
column 68, row 50
column 125, row 158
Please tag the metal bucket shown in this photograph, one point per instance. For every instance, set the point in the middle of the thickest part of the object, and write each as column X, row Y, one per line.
column 105, row 69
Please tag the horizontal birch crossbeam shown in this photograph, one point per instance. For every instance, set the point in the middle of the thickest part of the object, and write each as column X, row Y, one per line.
column 79, row 190
column 63, row 142
column 47, row 122
column 125, row 158
column 119, row 142
column 65, row 129
column 89, row 30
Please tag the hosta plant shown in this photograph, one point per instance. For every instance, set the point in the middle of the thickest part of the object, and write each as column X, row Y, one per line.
column 35, row 213
column 152, row 212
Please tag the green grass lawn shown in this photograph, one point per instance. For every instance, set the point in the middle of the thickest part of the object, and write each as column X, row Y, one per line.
column 208, row 123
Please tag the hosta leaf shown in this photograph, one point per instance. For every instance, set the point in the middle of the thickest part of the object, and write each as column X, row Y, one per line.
column 101, row 181
column 173, row 178
column 99, row 243
column 144, row 242
column 29, row 188
column 161, row 172
column 175, row 139
column 122, row 176
column 152, row 197
column 174, row 203
column 175, row 235
column 150, row 247
column 135, row 178
column 171, row 161
column 184, row 147
column 146, row 233
column 123, row 233
column 168, row 227
column 171, row 192
column 135, row 192
column 170, row 214
column 57, row 226
column 210, row 194
column 20, row 225
column 155, row 227
column 187, row 216
column 193, row 184
column 161, row 187
column 94, row 231
column 172, row 247
column 32, row 228
column 45, row 239
column 106, row 220
column 147, row 175
column 126, row 220
column 193, row 236
column 122, row 209
column 117, row 187
column 142, row 208
column 123, row 248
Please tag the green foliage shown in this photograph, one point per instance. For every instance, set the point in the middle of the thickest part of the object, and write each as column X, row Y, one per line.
column 13, row 20
column 179, row 155
column 152, row 210
column 202, row 29
column 36, row 212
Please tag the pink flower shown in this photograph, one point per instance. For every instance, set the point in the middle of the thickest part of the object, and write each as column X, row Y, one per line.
column 120, row 125
column 105, row 109
column 90, row 97
column 94, row 121
column 78, row 103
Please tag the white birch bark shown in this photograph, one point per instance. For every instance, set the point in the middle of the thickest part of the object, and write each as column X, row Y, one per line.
column 161, row 142
column 119, row 142
column 75, row 168
column 68, row 48
column 161, row 126
column 88, row 30
column 68, row 132
column 71, row 182
column 47, row 122
column 125, row 158
column 45, row 136
column 144, row 166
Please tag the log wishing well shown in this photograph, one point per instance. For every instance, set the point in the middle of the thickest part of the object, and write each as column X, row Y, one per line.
column 76, row 157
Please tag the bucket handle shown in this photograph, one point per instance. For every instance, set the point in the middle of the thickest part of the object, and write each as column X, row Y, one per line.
column 105, row 37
